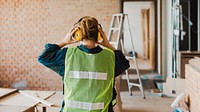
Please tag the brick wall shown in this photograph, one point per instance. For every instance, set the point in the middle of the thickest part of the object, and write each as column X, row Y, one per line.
column 26, row 25
column 192, row 85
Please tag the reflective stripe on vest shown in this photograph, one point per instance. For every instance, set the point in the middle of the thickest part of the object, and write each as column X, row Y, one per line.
column 88, row 75
column 85, row 105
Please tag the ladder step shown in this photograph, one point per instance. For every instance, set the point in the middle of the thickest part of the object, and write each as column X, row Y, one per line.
column 131, row 76
column 114, row 44
column 119, row 14
column 114, row 28
column 134, row 84
column 130, row 57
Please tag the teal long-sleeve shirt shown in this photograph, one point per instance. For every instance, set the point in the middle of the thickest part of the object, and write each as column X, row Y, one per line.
column 53, row 57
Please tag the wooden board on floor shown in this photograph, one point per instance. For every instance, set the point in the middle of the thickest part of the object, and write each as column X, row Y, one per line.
column 18, row 99
column 8, row 108
column 6, row 91
column 55, row 99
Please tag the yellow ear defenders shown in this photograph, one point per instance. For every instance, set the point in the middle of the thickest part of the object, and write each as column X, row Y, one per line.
column 78, row 35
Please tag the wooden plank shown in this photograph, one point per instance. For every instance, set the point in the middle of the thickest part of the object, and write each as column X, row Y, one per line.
column 56, row 99
column 18, row 99
column 6, row 91
column 4, row 108
column 36, row 98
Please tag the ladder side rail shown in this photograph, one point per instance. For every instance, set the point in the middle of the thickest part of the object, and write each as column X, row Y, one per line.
column 134, row 57
column 126, row 71
column 111, row 31
column 117, row 24
column 120, row 30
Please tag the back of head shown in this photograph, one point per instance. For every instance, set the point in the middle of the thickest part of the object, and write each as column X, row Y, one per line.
column 89, row 27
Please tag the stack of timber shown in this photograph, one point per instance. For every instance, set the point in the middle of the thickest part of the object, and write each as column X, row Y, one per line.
column 193, row 84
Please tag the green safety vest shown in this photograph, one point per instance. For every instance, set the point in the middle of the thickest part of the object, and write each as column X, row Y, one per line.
column 88, row 80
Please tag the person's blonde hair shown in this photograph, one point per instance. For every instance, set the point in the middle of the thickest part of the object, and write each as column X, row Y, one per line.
column 89, row 27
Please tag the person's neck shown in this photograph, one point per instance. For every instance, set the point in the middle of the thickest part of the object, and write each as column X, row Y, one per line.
column 89, row 43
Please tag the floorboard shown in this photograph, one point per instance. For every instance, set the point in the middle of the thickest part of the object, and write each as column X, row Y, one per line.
column 152, row 103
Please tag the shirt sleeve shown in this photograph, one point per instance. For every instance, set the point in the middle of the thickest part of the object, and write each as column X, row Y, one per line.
column 53, row 57
column 121, row 63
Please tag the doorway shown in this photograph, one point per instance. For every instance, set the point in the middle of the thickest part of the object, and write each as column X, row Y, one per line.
column 142, row 19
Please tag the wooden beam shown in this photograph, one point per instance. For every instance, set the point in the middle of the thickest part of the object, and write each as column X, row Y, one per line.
column 37, row 98
column 15, row 108
column 4, row 92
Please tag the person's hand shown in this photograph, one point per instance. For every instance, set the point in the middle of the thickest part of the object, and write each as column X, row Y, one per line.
column 68, row 38
column 105, row 41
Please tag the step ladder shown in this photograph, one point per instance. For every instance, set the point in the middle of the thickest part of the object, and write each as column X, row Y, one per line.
column 115, row 36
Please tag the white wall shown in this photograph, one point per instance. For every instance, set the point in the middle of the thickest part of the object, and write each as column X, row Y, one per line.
column 166, row 38
column 133, row 9
column 166, row 32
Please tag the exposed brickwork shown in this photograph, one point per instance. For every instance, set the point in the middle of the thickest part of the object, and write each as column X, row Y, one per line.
column 193, row 85
column 26, row 25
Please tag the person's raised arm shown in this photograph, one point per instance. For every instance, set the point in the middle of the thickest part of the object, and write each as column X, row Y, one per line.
column 53, row 56
column 68, row 38
column 105, row 41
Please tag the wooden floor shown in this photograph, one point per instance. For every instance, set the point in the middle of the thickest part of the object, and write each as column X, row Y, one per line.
column 142, row 64
column 135, row 103
column 152, row 103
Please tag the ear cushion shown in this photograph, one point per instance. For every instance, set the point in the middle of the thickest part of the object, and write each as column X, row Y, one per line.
column 99, row 36
column 79, row 36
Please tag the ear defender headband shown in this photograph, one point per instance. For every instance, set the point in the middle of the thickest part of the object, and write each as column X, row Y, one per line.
column 78, row 35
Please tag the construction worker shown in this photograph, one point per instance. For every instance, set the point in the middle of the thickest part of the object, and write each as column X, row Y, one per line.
column 88, row 70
